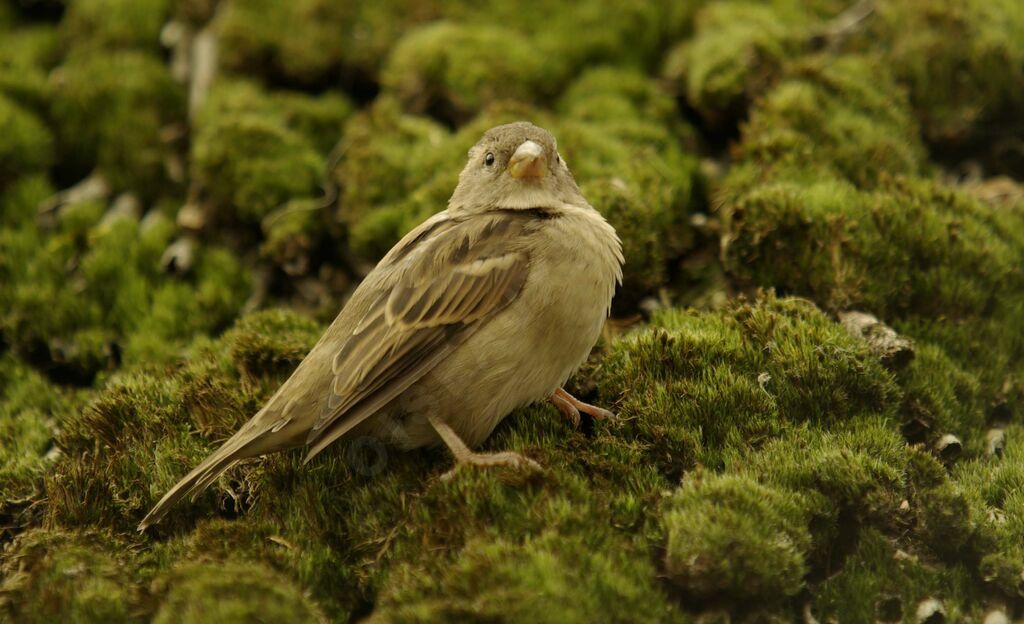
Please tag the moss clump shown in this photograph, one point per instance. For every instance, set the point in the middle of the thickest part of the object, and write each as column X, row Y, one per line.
column 291, row 234
column 238, row 592
column 455, row 70
column 93, row 294
column 941, row 397
column 549, row 578
column 250, row 152
column 69, row 576
column 28, row 53
column 108, row 109
column 993, row 486
column 943, row 253
column 31, row 408
column 112, row 24
column 736, row 393
column 880, row 581
column 729, row 536
column 320, row 119
column 867, row 225
column 311, row 41
column 737, row 51
column 831, row 118
column 962, row 62
column 27, row 146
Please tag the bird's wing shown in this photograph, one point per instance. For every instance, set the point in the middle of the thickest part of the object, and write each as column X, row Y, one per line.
column 444, row 280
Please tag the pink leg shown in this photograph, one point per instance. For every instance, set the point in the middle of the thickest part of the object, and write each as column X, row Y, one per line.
column 571, row 407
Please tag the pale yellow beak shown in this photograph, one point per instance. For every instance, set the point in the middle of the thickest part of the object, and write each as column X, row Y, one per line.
column 528, row 161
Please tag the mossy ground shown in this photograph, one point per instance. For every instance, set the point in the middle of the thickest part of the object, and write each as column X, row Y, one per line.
column 766, row 465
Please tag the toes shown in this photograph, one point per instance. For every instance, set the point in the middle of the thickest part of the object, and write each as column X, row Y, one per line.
column 523, row 462
column 573, row 415
column 599, row 413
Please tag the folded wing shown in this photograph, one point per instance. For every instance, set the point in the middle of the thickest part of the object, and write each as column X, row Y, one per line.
column 446, row 279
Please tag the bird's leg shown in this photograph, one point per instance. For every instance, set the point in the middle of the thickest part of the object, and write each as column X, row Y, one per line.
column 463, row 454
column 571, row 407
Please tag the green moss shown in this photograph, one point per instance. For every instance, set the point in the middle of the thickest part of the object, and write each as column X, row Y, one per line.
column 271, row 343
column 247, row 592
column 94, row 293
column 881, row 582
column 109, row 109
column 28, row 53
column 698, row 383
column 738, row 50
column 290, row 234
column 247, row 155
column 110, row 24
column 869, row 228
column 69, row 576
column 456, row 70
column 319, row 119
column 941, row 397
column 308, row 42
column 941, row 252
column 384, row 162
column 550, row 578
column 993, row 486
column 31, row 408
column 833, row 118
column 27, row 146
column 962, row 62
column 149, row 412
column 730, row 536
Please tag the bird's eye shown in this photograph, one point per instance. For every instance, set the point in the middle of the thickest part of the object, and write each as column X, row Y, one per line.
column 489, row 159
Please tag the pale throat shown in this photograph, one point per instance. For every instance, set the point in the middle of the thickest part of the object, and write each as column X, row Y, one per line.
column 527, row 197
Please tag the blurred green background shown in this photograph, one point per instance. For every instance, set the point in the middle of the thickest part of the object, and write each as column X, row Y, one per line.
column 189, row 189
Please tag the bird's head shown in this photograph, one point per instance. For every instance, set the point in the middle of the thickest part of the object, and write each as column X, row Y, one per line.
column 515, row 166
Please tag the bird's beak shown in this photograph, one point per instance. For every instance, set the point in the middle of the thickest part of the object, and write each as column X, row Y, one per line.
column 528, row 161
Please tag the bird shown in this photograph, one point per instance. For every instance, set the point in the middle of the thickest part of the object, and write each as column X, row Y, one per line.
column 488, row 305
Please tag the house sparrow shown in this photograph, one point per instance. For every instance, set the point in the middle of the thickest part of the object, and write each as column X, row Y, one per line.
column 485, row 307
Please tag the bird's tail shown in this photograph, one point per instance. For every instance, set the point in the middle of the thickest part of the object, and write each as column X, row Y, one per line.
column 245, row 443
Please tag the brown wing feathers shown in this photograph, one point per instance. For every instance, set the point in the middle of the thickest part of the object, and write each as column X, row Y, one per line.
column 463, row 274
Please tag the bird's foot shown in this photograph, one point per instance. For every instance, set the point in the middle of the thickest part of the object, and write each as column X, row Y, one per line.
column 506, row 459
column 571, row 407
column 465, row 456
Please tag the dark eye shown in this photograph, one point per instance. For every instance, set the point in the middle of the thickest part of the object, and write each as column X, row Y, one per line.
column 489, row 159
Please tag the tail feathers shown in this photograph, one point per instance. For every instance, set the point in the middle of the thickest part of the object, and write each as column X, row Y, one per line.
column 201, row 477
